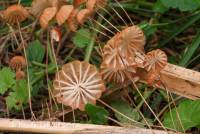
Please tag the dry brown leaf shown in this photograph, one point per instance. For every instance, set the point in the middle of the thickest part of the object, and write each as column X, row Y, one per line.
column 47, row 16
column 64, row 13
column 14, row 14
column 77, row 84
column 83, row 15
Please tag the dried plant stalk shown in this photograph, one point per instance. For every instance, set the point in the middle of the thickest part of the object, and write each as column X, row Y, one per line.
column 179, row 80
column 69, row 128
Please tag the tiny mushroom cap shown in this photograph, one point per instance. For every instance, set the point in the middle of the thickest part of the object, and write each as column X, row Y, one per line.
column 15, row 14
column 18, row 63
column 77, row 3
column 56, row 34
column 155, row 60
column 47, row 16
column 95, row 5
column 38, row 6
column 83, row 15
column 72, row 22
column 64, row 13
column 77, row 84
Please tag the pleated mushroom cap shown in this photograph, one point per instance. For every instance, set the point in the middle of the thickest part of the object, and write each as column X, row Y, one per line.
column 83, row 15
column 155, row 60
column 131, row 40
column 15, row 13
column 64, row 13
column 95, row 5
column 77, row 84
column 72, row 22
column 47, row 15
column 115, row 67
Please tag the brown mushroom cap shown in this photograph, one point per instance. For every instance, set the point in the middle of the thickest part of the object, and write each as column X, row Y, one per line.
column 131, row 40
column 47, row 16
column 77, row 84
column 15, row 13
column 155, row 60
column 72, row 22
column 18, row 63
column 64, row 13
column 83, row 15
column 94, row 5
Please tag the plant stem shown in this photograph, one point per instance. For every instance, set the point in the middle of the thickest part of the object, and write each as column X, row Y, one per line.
column 90, row 47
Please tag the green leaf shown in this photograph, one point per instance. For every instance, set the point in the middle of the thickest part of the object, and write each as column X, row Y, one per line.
column 97, row 114
column 35, row 51
column 159, row 7
column 188, row 116
column 182, row 5
column 82, row 38
column 125, row 109
column 19, row 96
column 7, row 79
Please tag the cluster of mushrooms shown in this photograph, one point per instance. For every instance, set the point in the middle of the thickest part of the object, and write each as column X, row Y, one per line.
column 79, row 82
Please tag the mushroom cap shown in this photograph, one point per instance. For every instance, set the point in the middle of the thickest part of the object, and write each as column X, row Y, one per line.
column 155, row 60
column 77, row 3
column 47, row 15
column 56, row 34
column 115, row 67
column 38, row 6
column 131, row 40
column 77, row 84
column 18, row 63
column 94, row 5
column 72, row 22
column 15, row 13
column 64, row 13
column 83, row 15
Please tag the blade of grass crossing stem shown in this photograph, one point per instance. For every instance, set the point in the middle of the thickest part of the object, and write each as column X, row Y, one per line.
column 190, row 51
column 190, row 21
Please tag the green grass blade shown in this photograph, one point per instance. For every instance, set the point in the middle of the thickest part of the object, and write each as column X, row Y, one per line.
column 190, row 51
column 190, row 21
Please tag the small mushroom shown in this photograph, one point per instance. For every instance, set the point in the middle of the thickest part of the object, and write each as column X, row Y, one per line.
column 72, row 21
column 14, row 14
column 83, row 15
column 95, row 5
column 155, row 61
column 18, row 63
column 47, row 16
column 77, row 84
column 64, row 13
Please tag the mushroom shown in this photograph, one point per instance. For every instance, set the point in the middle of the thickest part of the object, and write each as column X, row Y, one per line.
column 15, row 14
column 154, row 62
column 18, row 63
column 77, row 84
column 64, row 13
column 83, row 15
column 47, row 15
